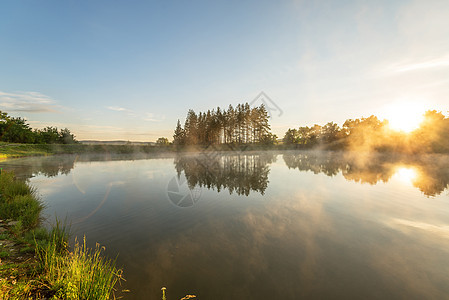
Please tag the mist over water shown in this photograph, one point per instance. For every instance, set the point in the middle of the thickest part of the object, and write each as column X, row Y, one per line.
column 268, row 225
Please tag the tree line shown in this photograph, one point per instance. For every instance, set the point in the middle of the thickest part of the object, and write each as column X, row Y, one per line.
column 16, row 130
column 373, row 134
column 240, row 125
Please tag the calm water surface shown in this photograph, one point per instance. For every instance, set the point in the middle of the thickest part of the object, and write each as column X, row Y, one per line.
column 259, row 225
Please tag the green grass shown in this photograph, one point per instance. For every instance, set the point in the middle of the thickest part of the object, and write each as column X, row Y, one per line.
column 4, row 254
column 81, row 274
column 18, row 202
column 8, row 150
column 55, row 273
column 10, row 188
column 21, row 150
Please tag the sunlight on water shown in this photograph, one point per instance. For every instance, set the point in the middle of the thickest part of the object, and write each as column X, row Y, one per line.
column 406, row 174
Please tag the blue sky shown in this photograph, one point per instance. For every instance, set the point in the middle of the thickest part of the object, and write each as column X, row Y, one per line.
column 129, row 69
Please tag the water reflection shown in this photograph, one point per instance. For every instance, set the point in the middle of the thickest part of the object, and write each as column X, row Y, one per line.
column 50, row 166
column 406, row 174
column 307, row 237
column 430, row 174
column 246, row 173
column 235, row 172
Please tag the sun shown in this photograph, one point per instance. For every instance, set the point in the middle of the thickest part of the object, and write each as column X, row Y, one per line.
column 404, row 116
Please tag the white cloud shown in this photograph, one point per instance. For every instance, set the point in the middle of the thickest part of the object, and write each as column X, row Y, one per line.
column 118, row 108
column 149, row 117
column 153, row 118
column 33, row 102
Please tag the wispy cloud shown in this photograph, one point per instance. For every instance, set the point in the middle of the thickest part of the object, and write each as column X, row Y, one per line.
column 118, row 108
column 420, row 43
column 150, row 117
column 33, row 102
column 433, row 63
column 147, row 117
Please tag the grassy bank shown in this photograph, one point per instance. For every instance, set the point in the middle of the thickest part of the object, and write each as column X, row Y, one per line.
column 35, row 263
column 20, row 150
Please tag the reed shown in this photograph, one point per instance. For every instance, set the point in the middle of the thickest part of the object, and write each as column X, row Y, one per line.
column 82, row 274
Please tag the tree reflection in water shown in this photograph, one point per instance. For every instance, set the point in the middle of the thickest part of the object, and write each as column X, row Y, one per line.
column 238, row 172
column 430, row 172
column 243, row 172
column 49, row 166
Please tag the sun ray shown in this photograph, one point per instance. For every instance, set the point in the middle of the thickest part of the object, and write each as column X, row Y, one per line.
column 404, row 116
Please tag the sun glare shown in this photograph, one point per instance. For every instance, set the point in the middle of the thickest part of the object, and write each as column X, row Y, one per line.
column 406, row 174
column 404, row 116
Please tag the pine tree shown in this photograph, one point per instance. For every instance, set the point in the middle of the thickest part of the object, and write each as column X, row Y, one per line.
column 191, row 128
column 240, row 125
column 179, row 136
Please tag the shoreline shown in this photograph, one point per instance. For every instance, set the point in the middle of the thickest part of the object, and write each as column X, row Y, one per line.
column 35, row 263
column 10, row 151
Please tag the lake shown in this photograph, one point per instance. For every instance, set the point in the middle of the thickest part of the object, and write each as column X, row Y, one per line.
column 267, row 225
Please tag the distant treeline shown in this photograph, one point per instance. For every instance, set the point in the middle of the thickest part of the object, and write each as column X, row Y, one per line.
column 16, row 130
column 371, row 134
column 240, row 125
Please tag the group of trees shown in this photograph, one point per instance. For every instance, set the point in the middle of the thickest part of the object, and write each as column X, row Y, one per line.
column 331, row 133
column 433, row 134
column 240, row 125
column 372, row 134
column 162, row 141
column 311, row 136
column 16, row 130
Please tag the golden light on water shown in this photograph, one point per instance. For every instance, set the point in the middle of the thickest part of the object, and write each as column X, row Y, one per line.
column 404, row 116
column 406, row 174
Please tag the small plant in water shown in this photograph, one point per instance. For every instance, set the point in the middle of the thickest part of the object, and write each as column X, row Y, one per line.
column 186, row 297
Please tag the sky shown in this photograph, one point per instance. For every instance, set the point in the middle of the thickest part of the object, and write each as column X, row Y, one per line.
column 128, row 70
